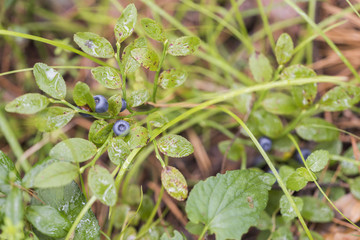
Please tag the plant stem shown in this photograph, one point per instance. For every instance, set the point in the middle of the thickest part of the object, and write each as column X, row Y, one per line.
column 203, row 233
column 156, row 78
column 125, row 166
column 122, row 70
column 266, row 24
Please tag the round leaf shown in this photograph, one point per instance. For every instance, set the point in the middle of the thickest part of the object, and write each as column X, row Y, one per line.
column 287, row 211
column 137, row 137
column 146, row 57
column 118, row 150
column 82, row 95
column 99, row 132
column 175, row 146
column 296, row 181
column 314, row 210
column 28, row 104
column 102, row 185
column 56, row 174
column 260, row 67
column 157, row 119
column 279, row 103
column 184, row 46
column 318, row 160
column 172, row 78
column 53, row 118
column 94, row 45
column 115, row 104
column 174, row 183
column 153, row 29
column 73, row 150
column 297, row 71
column 340, row 98
column 107, row 76
column 131, row 65
column 49, row 80
column 268, row 124
column 316, row 129
column 126, row 23
column 284, row 48
column 138, row 97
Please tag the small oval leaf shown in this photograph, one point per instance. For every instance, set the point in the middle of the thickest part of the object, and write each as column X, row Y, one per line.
column 137, row 137
column 53, row 118
column 296, row 181
column 146, row 57
column 107, row 76
column 102, row 185
column 73, row 150
column 131, row 65
column 284, row 49
column 82, row 95
column 28, row 104
column 118, row 150
column 174, row 183
column 172, row 78
column 115, row 104
column 94, row 45
column 99, row 132
column 314, row 210
column 175, row 146
column 279, row 103
column 138, row 97
column 126, row 23
column 56, row 174
column 260, row 67
column 157, row 119
column 184, row 46
column 287, row 211
column 318, row 160
column 316, row 129
column 340, row 98
column 153, row 29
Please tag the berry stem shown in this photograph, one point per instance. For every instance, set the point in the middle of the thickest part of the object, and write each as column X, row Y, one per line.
column 158, row 70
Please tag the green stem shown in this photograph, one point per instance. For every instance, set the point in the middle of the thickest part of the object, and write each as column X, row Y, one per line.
column 125, row 166
column 201, row 236
column 266, row 24
column 79, row 217
column 309, row 49
column 57, row 67
column 122, row 70
column 156, row 78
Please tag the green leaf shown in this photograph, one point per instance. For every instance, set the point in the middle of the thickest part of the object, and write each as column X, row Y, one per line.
column 316, row 129
column 172, row 78
column 48, row 220
column 55, row 175
column 284, row 49
column 287, row 211
column 264, row 222
column 184, row 46
column 236, row 150
column 174, row 183
column 242, row 102
column 126, row 23
column 146, row 207
column 296, row 181
column 131, row 65
column 69, row 201
column 340, row 98
column 82, row 95
column 107, row 76
column 29, row 178
column 315, row 235
column 157, row 119
column 282, row 233
column 49, row 80
column 355, row 187
column 146, row 57
column 102, row 185
column 314, row 210
column 14, row 208
column 175, row 146
column 73, row 150
column 318, row 160
column 285, row 172
column 268, row 124
column 138, row 97
column 153, row 29
column 349, row 168
column 308, row 176
column 99, row 132
column 94, row 45
column 137, row 137
column 229, row 204
column 177, row 236
column 279, row 103
column 297, row 71
column 118, row 150
column 260, row 67
column 6, row 167
column 115, row 104
column 28, row 104
column 333, row 147
column 53, row 118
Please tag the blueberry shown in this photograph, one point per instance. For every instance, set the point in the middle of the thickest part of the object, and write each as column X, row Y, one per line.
column 265, row 143
column 305, row 152
column 102, row 104
column 121, row 128
column 123, row 105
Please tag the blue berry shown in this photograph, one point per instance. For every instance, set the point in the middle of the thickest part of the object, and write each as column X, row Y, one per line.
column 102, row 104
column 265, row 143
column 123, row 105
column 305, row 152
column 121, row 128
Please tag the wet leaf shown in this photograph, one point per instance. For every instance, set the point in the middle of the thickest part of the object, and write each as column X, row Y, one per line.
column 172, row 78
column 107, row 76
column 53, row 118
column 297, row 71
column 175, row 146
column 279, row 103
column 287, row 211
column 340, row 98
column 355, row 187
column 285, row 172
column 318, row 160
column 153, row 29
column 115, row 104
column 138, row 97
column 73, row 150
column 174, row 183
column 14, row 208
column 126, row 23
column 29, row 178
column 177, row 236
column 243, row 102
column 314, row 210
column 48, row 221
column 308, row 176
column 296, row 181
column 102, row 185
column 118, row 150
column 49, row 80
column 236, row 150
column 137, row 137
column 56, row 174
column 94, row 45
column 28, row 104
column 157, row 119
column 268, row 124
column 316, row 129
column 82, row 95
column 183, row 46
column 229, row 204
column 99, row 132
column 284, row 49
column 131, row 65
column 282, row 233
column 260, row 67
column 147, row 57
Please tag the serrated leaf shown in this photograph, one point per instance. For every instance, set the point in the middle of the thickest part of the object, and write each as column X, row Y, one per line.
column 137, row 137
column 14, row 208
column 115, row 104
column 279, row 103
column 48, row 221
column 138, row 97
column 318, row 160
column 82, row 95
column 94, row 45
column 174, row 183
column 107, row 76
column 284, row 49
column 153, row 29
column 126, row 23
column 172, row 78
column 260, row 67
column 355, row 187
column 287, row 211
column 184, row 46
column 157, row 119
column 99, row 132
column 316, row 129
column 118, row 150
column 314, row 210
column 147, row 57
column 131, row 65
column 73, row 150
column 49, row 80
column 340, row 98
column 308, row 176
column 229, row 204
column 285, row 172
column 235, row 152
column 175, row 146
column 53, row 118
column 28, row 104
column 296, row 182
column 102, row 185
column 55, row 175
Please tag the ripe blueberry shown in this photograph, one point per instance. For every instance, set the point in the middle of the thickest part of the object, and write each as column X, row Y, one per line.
column 123, row 105
column 305, row 152
column 102, row 104
column 265, row 143
column 121, row 128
